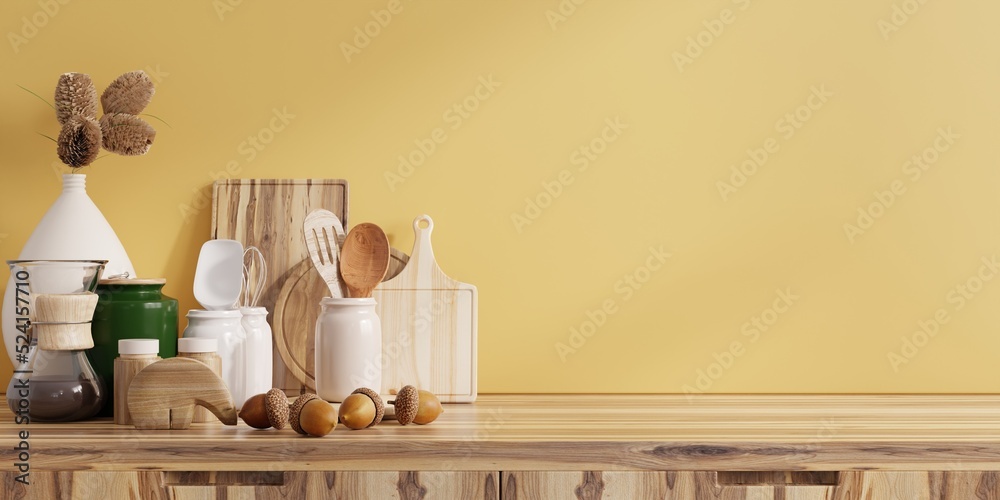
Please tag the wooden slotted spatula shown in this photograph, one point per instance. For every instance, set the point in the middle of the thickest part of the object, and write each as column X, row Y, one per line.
column 324, row 237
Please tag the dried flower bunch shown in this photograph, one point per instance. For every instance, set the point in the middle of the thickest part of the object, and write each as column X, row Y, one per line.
column 119, row 131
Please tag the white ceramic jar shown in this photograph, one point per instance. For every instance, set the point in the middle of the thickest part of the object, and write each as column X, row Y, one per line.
column 227, row 328
column 348, row 348
column 259, row 350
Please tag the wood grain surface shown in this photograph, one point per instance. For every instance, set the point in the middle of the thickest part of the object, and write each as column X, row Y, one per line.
column 213, row 361
column 295, row 314
column 163, row 395
column 126, row 368
column 269, row 214
column 855, row 485
column 568, row 433
column 429, row 326
column 153, row 485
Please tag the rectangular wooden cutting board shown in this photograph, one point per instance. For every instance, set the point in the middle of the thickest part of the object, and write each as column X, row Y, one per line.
column 429, row 326
column 269, row 214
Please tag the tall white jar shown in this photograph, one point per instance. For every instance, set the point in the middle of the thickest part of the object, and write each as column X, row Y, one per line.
column 259, row 350
column 348, row 348
column 227, row 328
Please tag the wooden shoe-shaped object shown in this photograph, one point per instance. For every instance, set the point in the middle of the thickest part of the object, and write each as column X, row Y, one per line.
column 163, row 395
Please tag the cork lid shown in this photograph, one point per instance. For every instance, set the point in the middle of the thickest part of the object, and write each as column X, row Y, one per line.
column 138, row 346
column 195, row 345
column 133, row 281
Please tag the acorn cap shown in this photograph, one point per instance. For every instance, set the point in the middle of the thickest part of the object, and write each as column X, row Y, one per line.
column 296, row 409
column 379, row 405
column 407, row 402
column 277, row 408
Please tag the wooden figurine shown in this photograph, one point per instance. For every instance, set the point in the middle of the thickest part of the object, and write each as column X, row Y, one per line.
column 164, row 395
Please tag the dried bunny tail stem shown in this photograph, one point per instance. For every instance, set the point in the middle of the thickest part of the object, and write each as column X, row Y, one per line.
column 126, row 134
column 79, row 141
column 75, row 95
column 129, row 93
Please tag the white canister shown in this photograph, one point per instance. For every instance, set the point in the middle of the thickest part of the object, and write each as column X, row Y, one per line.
column 227, row 328
column 348, row 348
column 259, row 350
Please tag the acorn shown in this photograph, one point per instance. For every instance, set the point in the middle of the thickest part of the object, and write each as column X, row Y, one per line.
column 429, row 408
column 296, row 409
column 407, row 402
column 264, row 411
column 317, row 418
column 362, row 409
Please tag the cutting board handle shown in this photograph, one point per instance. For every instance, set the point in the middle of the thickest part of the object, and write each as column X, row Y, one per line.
column 423, row 223
column 422, row 258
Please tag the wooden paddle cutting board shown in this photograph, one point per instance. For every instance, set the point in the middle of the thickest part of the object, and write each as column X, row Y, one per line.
column 429, row 326
column 269, row 214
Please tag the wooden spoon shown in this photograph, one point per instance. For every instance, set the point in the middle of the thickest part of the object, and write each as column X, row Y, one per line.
column 364, row 260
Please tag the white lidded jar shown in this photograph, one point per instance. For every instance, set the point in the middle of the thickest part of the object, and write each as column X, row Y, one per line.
column 227, row 328
column 259, row 350
column 348, row 348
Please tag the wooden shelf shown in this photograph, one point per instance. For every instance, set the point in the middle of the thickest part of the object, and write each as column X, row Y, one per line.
column 567, row 433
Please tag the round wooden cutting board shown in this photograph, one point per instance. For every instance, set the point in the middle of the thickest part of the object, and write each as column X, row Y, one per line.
column 296, row 311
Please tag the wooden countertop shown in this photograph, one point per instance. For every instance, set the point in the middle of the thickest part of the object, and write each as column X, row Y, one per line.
column 568, row 432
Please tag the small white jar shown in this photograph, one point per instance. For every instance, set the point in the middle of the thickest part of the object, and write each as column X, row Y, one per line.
column 348, row 348
column 227, row 328
column 259, row 350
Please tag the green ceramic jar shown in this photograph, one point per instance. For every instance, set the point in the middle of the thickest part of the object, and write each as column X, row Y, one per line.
column 130, row 309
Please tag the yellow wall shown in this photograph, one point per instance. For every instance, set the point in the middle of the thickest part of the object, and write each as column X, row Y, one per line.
column 881, row 86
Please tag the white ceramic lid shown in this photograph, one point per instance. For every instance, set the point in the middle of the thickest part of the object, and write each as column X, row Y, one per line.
column 138, row 346
column 194, row 344
column 201, row 313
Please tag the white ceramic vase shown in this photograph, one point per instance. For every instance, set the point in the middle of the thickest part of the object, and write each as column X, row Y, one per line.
column 72, row 229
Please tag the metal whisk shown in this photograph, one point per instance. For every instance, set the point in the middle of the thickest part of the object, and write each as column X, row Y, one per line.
column 254, row 277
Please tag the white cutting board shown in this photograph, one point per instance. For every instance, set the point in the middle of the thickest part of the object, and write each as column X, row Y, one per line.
column 429, row 326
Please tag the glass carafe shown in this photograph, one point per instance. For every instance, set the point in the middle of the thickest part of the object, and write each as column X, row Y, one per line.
column 52, row 385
